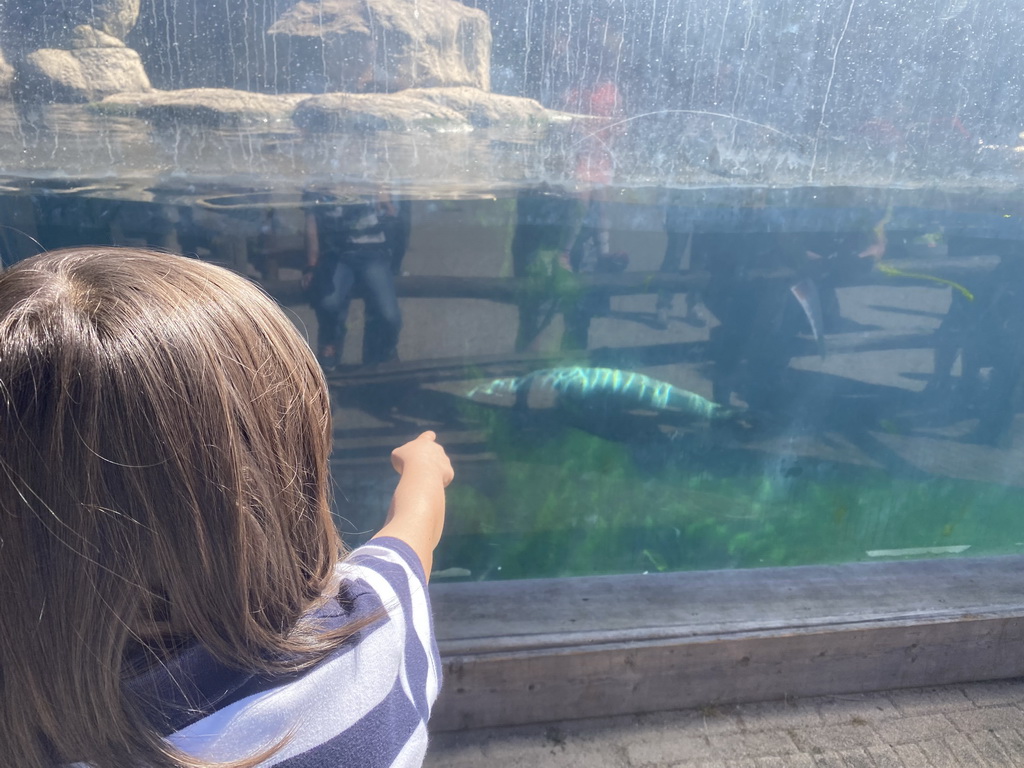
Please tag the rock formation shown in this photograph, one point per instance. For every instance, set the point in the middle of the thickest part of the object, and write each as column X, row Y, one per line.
column 115, row 17
column 434, row 110
column 385, row 45
column 424, row 110
column 6, row 76
column 33, row 24
column 369, row 113
column 491, row 110
column 71, row 51
column 211, row 107
column 96, row 65
column 387, row 65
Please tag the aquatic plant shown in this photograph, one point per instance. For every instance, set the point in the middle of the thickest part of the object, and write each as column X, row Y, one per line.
column 563, row 502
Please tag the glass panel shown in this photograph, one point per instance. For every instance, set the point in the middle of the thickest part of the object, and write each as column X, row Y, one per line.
column 680, row 285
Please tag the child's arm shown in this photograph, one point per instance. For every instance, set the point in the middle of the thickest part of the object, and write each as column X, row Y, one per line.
column 416, row 515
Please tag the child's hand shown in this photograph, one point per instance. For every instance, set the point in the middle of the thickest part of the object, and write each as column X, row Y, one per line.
column 426, row 454
column 416, row 515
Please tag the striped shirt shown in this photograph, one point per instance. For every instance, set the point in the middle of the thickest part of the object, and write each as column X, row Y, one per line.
column 367, row 704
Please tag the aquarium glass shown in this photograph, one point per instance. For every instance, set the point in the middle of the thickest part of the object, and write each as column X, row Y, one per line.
column 680, row 285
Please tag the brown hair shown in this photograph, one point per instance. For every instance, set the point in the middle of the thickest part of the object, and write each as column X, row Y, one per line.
column 164, row 440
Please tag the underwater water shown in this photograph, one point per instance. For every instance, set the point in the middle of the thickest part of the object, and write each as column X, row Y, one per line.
column 747, row 379
column 679, row 286
column 692, row 408
column 877, row 421
column 734, row 378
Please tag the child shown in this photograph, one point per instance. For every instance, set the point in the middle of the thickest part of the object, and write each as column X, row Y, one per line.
column 173, row 586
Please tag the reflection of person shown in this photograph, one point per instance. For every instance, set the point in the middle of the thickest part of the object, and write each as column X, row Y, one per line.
column 546, row 224
column 678, row 252
column 597, row 96
column 347, row 246
column 175, row 593
column 769, row 292
column 559, row 235
column 985, row 329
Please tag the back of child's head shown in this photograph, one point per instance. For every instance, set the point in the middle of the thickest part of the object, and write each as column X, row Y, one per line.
column 164, row 439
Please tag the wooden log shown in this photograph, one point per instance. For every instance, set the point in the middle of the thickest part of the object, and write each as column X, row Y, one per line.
column 510, row 290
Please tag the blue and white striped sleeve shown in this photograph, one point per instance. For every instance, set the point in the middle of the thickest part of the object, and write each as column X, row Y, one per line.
column 393, row 570
column 368, row 703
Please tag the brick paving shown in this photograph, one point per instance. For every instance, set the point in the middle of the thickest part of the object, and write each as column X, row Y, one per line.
column 977, row 724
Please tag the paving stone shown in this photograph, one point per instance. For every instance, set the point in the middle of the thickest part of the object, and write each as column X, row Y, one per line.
column 1012, row 741
column 604, row 731
column 779, row 714
column 988, row 746
column 767, row 743
column 911, row 756
column 989, row 718
column 856, row 758
column 968, row 725
column 884, row 756
column 835, row 737
column 748, row 762
column 829, row 760
column 669, row 751
column 907, row 730
column 964, row 751
column 996, row 692
column 751, row 745
column 789, row 761
column 851, row 710
column 930, row 701
column 938, row 752
column 704, row 721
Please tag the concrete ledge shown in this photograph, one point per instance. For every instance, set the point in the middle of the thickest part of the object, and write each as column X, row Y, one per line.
column 554, row 649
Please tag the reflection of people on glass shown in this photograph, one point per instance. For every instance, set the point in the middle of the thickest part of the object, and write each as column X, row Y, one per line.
column 544, row 232
column 558, row 235
column 984, row 329
column 678, row 255
column 348, row 247
column 596, row 95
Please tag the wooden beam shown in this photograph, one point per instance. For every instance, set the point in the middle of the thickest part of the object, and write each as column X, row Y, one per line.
column 511, row 289
column 604, row 646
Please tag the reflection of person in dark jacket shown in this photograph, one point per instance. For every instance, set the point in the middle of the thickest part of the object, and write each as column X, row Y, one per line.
column 986, row 332
column 348, row 246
